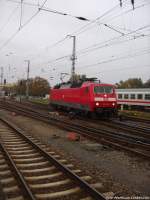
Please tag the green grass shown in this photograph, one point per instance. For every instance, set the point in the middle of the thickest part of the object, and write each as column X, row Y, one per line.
column 41, row 101
column 139, row 114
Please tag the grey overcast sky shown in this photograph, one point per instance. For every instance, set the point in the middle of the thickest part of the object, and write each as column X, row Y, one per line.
column 113, row 45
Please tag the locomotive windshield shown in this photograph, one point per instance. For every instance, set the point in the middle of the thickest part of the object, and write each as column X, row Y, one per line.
column 103, row 89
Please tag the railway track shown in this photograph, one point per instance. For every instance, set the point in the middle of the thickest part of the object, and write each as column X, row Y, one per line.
column 30, row 170
column 131, row 143
column 132, row 126
column 47, row 107
column 136, row 119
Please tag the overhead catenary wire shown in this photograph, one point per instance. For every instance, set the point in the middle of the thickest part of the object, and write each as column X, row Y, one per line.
column 113, row 59
column 111, row 18
column 139, row 53
column 75, row 32
column 126, row 12
column 108, row 43
column 8, row 19
column 91, row 22
column 114, row 29
column 20, row 28
column 122, row 68
column 114, row 41
column 89, row 50
column 28, row 21
column 61, row 42
column 21, row 10
column 51, row 10
column 63, row 39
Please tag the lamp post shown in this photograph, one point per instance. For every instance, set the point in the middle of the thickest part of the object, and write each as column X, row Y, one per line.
column 27, row 83
column 9, row 68
column 2, row 73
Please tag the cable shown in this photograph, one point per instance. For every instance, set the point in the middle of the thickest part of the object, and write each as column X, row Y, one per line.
column 106, row 43
column 67, row 56
column 9, row 18
column 111, row 18
column 147, row 51
column 126, row 12
column 97, row 19
column 106, row 13
column 21, row 13
column 52, row 11
column 91, row 22
column 114, row 29
column 102, row 45
column 138, row 53
column 20, row 28
column 123, row 68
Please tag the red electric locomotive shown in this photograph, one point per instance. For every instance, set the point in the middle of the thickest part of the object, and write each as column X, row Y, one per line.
column 89, row 97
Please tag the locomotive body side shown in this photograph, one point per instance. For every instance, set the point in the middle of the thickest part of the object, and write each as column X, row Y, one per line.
column 90, row 97
column 71, row 98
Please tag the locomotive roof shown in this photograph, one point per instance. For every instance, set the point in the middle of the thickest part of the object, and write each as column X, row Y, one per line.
column 93, row 83
column 79, row 84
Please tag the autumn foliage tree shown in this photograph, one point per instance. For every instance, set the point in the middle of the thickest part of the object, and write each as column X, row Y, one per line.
column 131, row 83
column 37, row 87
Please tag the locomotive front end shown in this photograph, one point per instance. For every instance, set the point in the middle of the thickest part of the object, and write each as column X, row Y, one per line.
column 105, row 100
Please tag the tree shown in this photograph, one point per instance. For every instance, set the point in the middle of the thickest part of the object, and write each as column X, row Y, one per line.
column 147, row 84
column 39, row 86
column 131, row 83
column 20, row 87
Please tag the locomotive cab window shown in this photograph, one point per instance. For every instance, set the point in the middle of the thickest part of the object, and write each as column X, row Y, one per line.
column 103, row 89
column 140, row 96
column 147, row 96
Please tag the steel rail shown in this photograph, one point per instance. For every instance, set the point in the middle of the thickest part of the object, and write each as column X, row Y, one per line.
column 80, row 182
column 83, row 131
column 136, row 127
column 100, row 129
column 27, row 191
column 137, row 119
column 113, row 124
column 132, row 139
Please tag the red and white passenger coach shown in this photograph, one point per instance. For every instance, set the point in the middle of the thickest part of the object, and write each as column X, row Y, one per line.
column 139, row 97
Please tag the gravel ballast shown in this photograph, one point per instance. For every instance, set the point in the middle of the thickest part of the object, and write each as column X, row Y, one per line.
column 121, row 173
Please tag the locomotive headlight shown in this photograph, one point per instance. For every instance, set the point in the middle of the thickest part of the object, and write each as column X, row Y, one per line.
column 113, row 104
column 97, row 103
